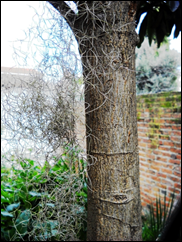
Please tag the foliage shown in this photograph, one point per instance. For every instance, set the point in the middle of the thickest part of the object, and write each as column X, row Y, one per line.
column 156, row 69
column 44, row 203
column 160, row 18
column 155, row 219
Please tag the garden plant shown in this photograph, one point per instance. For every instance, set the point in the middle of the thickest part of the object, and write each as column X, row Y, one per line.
column 44, row 203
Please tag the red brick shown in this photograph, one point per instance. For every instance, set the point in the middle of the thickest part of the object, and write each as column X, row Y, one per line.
column 178, row 157
column 141, row 145
column 155, row 168
column 150, row 161
column 162, row 186
column 142, row 124
column 142, row 169
column 175, row 138
column 144, row 204
column 144, row 164
column 168, row 171
column 166, row 143
column 177, row 115
column 151, row 172
column 178, row 133
column 151, row 146
column 157, row 152
column 177, row 173
column 148, row 201
column 160, row 142
column 143, row 149
column 146, row 110
column 166, row 132
column 172, row 190
column 142, row 179
column 161, row 175
column 156, row 189
column 165, row 127
column 161, row 121
column 156, row 163
column 140, row 134
column 147, row 140
column 167, row 115
column 141, row 154
column 178, row 145
column 169, row 121
column 150, row 156
column 147, row 190
column 161, row 158
column 164, row 137
column 144, row 175
column 175, row 150
column 166, row 182
column 178, row 162
column 175, row 179
column 166, row 165
column 163, row 148
column 167, row 110
column 177, row 185
column 142, row 159
column 178, row 169
column 140, row 129
column 155, row 178
column 174, row 127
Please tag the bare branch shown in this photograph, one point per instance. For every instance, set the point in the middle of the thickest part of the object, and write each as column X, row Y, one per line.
column 65, row 11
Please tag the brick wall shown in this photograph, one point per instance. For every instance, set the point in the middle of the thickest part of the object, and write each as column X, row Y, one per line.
column 159, row 138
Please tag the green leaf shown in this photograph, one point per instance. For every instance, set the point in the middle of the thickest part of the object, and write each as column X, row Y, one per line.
column 13, row 206
column 35, row 194
column 50, row 205
column 6, row 214
column 8, row 190
column 22, row 221
column 31, row 162
column 79, row 194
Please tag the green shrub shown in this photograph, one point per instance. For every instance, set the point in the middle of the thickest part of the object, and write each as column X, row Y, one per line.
column 44, row 203
column 154, row 220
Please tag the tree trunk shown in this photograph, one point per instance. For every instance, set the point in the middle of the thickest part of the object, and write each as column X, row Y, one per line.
column 108, row 57
column 105, row 31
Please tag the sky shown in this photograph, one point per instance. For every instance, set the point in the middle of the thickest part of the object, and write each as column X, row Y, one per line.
column 17, row 16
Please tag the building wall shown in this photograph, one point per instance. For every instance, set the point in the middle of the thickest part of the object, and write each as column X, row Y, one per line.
column 159, row 138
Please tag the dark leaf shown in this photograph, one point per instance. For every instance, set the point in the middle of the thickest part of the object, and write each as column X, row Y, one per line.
column 22, row 222
column 160, row 36
column 140, row 12
column 176, row 32
column 143, row 29
column 173, row 5
column 150, row 24
column 158, row 18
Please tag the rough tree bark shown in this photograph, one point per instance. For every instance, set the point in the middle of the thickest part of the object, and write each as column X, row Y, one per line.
column 106, row 35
